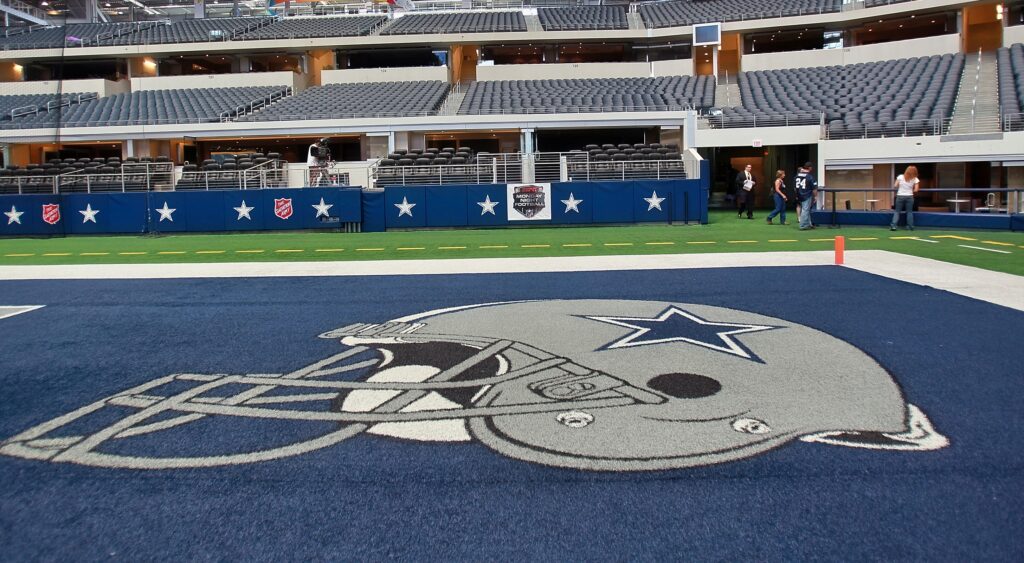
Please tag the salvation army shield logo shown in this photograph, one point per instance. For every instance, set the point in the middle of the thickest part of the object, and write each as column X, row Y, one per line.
column 283, row 208
column 528, row 199
column 51, row 213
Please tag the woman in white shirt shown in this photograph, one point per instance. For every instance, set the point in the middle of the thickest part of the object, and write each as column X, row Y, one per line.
column 906, row 188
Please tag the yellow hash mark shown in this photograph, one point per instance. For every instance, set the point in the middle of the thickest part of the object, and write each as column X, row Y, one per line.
column 658, row 243
column 739, row 241
column 329, row 250
column 702, row 242
column 171, row 252
column 576, row 244
column 411, row 248
column 957, row 237
column 997, row 243
column 56, row 254
column 20, row 255
column 494, row 246
column 209, row 252
column 535, row 246
column 369, row 249
column 93, row 253
column 139, row 253
column 783, row 240
column 903, row 238
column 618, row 244
column 250, row 251
column 290, row 250
column 451, row 248
column 863, row 238
column 821, row 239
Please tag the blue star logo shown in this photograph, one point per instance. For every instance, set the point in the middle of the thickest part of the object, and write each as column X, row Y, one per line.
column 676, row 325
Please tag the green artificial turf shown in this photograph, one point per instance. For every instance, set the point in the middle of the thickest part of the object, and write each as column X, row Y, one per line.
column 1003, row 251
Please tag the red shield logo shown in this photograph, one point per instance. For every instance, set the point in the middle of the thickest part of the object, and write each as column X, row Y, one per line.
column 283, row 208
column 51, row 213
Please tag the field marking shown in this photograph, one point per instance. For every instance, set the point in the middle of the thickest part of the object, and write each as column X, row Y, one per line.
column 952, row 236
column 249, row 251
column 863, row 238
column 94, row 254
column 134, row 253
column 20, row 255
column 17, row 310
column 56, row 254
column 783, row 240
column 986, row 249
column 451, row 248
column 411, row 248
column 171, row 252
column 535, row 246
column 702, row 242
column 286, row 250
column 369, row 250
column 210, row 251
column 741, row 241
column 997, row 243
column 821, row 239
column 329, row 250
column 578, row 244
column 918, row 239
column 658, row 243
column 618, row 244
column 493, row 246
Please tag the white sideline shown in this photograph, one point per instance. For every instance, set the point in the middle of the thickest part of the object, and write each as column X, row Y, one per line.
column 994, row 287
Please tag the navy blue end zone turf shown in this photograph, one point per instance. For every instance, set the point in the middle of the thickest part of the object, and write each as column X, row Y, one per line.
column 373, row 496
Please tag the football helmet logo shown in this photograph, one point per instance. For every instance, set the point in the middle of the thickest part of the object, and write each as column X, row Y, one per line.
column 585, row 384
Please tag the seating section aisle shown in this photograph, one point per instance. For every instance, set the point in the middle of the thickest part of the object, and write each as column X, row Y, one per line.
column 667, row 93
column 351, row 100
column 466, row 22
column 689, row 12
column 583, row 18
column 856, row 100
column 299, row 28
column 194, row 105
column 1011, row 87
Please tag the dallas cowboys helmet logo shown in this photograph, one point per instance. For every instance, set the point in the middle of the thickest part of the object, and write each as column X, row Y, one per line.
column 584, row 384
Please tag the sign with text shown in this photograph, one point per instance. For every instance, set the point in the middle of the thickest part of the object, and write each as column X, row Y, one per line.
column 529, row 202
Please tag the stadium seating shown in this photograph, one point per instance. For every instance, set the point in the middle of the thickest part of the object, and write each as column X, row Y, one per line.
column 1011, row 86
column 350, row 100
column 589, row 95
column 863, row 100
column 70, row 35
column 298, row 28
column 189, row 31
column 876, row 3
column 463, row 22
column 689, row 12
column 151, row 107
column 583, row 17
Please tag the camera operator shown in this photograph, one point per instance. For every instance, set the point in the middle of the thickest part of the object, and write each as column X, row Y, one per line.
column 319, row 159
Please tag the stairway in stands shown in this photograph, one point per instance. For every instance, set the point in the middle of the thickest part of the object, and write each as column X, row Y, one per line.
column 635, row 21
column 727, row 94
column 533, row 23
column 977, row 103
column 454, row 100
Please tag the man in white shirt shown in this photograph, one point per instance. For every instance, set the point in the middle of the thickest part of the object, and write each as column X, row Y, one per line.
column 745, row 183
column 318, row 159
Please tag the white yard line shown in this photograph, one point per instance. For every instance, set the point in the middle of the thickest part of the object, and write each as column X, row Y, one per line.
column 993, row 287
column 7, row 311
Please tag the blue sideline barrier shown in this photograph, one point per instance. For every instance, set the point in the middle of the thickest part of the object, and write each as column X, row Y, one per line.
column 597, row 203
column 182, row 211
column 922, row 219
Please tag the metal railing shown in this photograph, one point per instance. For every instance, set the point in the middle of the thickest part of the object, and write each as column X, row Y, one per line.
column 907, row 128
column 270, row 174
column 721, row 121
column 990, row 200
column 1012, row 122
column 248, row 108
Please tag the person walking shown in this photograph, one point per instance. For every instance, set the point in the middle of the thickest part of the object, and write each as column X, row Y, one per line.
column 906, row 185
column 806, row 190
column 745, row 183
column 779, row 193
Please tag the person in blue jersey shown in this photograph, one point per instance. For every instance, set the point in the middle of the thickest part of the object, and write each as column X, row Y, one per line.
column 779, row 194
column 906, row 185
column 806, row 189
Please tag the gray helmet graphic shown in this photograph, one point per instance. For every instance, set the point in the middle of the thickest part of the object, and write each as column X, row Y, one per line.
column 585, row 384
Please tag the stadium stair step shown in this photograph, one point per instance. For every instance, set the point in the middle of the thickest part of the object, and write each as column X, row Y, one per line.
column 533, row 23
column 979, row 91
column 454, row 100
column 635, row 21
column 728, row 95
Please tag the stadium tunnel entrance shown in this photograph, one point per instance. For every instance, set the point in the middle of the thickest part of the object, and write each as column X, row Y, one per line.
column 727, row 162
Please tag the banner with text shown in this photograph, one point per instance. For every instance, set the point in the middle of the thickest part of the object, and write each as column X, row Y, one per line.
column 529, row 202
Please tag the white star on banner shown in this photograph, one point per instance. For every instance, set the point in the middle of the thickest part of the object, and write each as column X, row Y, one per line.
column 166, row 213
column 322, row 209
column 14, row 216
column 243, row 211
column 487, row 205
column 654, row 202
column 572, row 204
column 89, row 214
column 405, row 208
